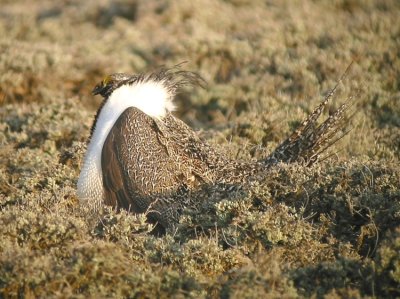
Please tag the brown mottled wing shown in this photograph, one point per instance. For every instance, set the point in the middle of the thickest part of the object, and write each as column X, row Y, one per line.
column 113, row 183
column 139, row 164
column 211, row 165
column 204, row 159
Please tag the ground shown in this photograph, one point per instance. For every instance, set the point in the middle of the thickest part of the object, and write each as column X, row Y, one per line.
column 331, row 230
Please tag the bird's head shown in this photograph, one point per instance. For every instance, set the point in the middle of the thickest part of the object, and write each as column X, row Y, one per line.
column 110, row 83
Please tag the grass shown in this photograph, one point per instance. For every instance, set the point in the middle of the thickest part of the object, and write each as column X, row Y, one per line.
column 331, row 230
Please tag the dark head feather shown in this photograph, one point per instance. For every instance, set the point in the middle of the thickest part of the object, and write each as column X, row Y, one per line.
column 110, row 83
column 172, row 78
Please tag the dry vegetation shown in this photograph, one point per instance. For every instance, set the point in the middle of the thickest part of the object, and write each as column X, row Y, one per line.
column 332, row 230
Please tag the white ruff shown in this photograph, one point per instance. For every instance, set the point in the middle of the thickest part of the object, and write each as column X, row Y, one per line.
column 150, row 97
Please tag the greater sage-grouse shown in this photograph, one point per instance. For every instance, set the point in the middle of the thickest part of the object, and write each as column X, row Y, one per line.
column 142, row 158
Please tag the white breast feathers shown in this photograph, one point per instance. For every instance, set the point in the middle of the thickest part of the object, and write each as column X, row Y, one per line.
column 151, row 97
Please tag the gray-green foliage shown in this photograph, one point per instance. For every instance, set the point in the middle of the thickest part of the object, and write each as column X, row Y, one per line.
column 328, row 230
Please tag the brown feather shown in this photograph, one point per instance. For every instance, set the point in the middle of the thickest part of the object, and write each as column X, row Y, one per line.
column 153, row 165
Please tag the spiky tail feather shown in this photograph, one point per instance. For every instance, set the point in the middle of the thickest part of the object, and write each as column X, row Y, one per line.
column 310, row 140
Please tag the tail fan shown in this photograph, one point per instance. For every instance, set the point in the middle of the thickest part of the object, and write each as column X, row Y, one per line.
column 310, row 140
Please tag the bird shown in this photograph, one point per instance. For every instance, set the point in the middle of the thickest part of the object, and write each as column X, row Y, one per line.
column 143, row 159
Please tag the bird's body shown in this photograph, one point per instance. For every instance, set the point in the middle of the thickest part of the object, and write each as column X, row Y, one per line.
column 152, row 99
column 141, row 157
column 139, row 153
